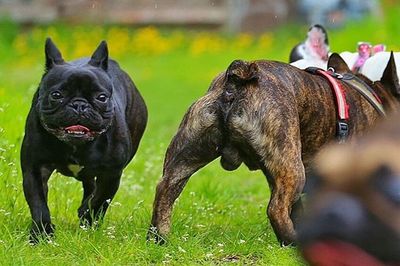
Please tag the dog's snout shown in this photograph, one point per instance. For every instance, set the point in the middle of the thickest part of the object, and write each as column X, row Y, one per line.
column 80, row 105
column 344, row 212
column 341, row 216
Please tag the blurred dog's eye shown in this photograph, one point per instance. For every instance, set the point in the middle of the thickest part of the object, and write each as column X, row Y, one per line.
column 102, row 98
column 388, row 183
column 56, row 95
column 391, row 188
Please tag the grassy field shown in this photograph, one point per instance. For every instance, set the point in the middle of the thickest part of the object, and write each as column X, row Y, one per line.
column 219, row 218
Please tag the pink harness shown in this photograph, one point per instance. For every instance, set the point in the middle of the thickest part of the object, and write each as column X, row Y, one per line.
column 342, row 129
column 340, row 96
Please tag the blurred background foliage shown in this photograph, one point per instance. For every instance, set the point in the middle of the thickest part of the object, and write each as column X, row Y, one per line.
column 22, row 45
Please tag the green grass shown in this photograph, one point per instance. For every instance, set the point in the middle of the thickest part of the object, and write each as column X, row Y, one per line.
column 220, row 216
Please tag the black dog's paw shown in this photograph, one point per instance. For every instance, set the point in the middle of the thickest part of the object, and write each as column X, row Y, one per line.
column 43, row 232
column 85, row 216
column 89, row 218
column 154, row 237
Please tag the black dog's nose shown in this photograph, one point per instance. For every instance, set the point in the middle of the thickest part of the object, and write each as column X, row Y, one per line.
column 79, row 105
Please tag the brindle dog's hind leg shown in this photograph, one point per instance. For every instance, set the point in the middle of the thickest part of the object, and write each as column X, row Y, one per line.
column 195, row 145
column 279, row 147
column 288, row 178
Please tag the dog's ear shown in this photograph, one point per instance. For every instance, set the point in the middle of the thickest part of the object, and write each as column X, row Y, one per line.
column 338, row 64
column 53, row 55
column 242, row 71
column 100, row 56
column 389, row 78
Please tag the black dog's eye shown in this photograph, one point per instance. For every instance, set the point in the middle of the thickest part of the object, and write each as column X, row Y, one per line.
column 102, row 98
column 56, row 95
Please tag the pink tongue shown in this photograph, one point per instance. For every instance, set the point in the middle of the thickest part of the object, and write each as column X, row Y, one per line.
column 77, row 128
column 332, row 253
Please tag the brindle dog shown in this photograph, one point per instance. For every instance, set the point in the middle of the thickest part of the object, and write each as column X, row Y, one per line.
column 353, row 211
column 270, row 116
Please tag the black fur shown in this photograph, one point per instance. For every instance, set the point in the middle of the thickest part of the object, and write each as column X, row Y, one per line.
column 86, row 115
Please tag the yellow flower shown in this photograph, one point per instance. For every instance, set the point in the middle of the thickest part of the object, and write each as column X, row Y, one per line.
column 149, row 41
column 20, row 44
column 38, row 35
column 243, row 41
column 207, row 43
column 118, row 40
column 265, row 41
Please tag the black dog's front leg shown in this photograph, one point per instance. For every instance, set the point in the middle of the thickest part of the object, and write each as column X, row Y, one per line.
column 35, row 190
column 94, row 207
column 89, row 185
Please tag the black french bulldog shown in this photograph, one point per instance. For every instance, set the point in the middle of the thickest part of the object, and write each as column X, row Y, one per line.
column 86, row 121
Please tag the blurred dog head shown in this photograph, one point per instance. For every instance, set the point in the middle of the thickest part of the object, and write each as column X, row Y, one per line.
column 74, row 98
column 314, row 49
column 353, row 213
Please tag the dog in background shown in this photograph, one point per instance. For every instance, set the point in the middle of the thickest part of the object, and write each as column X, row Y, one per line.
column 272, row 117
column 314, row 49
column 353, row 211
column 368, row 60
column 374, row 66
column 86, row 121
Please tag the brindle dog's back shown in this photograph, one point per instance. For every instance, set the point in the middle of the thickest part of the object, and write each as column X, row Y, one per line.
column 272, row 117
column 286, row 102
column 283, row 103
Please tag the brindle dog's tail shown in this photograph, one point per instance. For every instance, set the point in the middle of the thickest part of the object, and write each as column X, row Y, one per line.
column 240, row 72
column 238, row 75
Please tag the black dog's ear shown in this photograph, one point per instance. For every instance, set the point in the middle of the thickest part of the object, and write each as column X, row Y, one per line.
column 100, row 56
column 389, row 78
column 53, row 55
column 242, row 71
column 338, row 64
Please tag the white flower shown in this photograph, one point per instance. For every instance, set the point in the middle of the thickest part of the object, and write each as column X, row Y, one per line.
column 117, row 203
column 83, row 227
